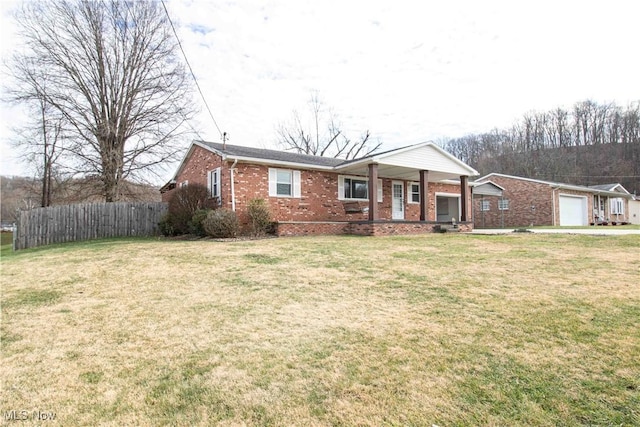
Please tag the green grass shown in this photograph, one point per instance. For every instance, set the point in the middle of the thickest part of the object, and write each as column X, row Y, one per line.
column 445, row 329
column 32, row 297
column 6, row 244
column 6, row 238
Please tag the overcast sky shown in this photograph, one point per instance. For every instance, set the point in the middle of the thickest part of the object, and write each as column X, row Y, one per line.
column 408, row 71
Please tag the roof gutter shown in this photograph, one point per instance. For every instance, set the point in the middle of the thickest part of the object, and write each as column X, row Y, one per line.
column 278, row 163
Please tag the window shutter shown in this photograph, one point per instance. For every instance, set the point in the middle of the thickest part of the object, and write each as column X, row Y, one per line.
column 379, row 190
column 617, row 206
column 340, row 187
column 217, row 178
column 209, row 183
column 273, row 184
column 296, row 183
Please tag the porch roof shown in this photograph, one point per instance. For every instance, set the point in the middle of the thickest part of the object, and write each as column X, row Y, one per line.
column 487, row 188
column 615, row 187
column 407, row 162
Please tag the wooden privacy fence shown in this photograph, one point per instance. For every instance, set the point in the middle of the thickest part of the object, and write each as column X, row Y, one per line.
column 70, row 223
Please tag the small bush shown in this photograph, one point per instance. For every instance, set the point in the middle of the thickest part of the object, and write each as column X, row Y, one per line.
column 166, row 225
column 184, row 203
column 195, row 225
column 221, row 223
column 260, row 217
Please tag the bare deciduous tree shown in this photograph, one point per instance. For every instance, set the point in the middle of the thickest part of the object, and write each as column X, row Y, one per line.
column 322, row 135
column 41, row 140
column 590, row 144
column 114, row 77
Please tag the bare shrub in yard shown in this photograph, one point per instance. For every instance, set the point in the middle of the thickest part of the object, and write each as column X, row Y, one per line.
column 221, row 223
column 166, row 225
column 260, row 217
column 183, row 205
column 195, row 225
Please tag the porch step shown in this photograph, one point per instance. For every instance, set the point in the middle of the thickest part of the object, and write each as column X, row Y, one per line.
column 446, row 228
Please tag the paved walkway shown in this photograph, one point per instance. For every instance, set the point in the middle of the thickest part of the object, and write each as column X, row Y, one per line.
column 601, row 231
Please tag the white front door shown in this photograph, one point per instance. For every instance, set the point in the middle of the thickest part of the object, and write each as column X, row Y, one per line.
column 397, row 200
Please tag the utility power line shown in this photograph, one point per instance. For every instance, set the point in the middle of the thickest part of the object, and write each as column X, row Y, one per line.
column 191, row 69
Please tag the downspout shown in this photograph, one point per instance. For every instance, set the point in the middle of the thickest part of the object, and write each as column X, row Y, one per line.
column 502, row 212
column 553, row 206
column 233, row 191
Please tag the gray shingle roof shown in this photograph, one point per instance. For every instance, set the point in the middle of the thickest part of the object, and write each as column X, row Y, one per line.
column 281, row 156
column 605, row 187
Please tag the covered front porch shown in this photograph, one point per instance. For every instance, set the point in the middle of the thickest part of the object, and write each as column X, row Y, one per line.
column 413, row 190
column 418, row 175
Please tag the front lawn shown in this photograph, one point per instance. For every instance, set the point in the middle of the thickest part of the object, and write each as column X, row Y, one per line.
column 445, row 329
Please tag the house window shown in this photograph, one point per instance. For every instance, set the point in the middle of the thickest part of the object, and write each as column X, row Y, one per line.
column 356, row 188
column 503, row 204
column 485, row 205
column 213, row 182
column 284, row 183
column 414, row 192
column 617, row 206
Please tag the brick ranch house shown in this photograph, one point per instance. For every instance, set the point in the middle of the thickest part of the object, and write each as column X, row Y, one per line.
column 409, row 190
column 525, row 202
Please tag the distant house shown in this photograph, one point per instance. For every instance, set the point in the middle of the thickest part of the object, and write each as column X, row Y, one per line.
column 407, row 190
column 529, row 202
column 608, row 207
column 634, row 210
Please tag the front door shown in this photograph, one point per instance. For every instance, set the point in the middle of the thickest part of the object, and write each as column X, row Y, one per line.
column 397, row 200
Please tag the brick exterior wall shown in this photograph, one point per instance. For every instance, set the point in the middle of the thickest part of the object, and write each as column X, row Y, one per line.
column 361, row 228
column 319, row 195
column 530, row 203
column 398, row 228
column 311, row 228
column 195, row 170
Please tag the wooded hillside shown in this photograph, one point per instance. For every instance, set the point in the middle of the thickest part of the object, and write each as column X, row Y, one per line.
column 587, row 145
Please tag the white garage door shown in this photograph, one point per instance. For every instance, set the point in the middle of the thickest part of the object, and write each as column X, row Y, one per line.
column 573, row 210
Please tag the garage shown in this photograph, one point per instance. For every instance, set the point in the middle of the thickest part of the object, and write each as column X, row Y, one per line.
column 573, row 210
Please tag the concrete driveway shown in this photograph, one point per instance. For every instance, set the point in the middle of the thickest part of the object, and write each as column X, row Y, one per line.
column 595, row 231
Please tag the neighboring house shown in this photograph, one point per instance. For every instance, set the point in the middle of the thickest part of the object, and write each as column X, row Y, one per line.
column 527, row 202
column 485, row 194
column 634, row 210
column 609, row 207
column 7, row 226
column 407, row 190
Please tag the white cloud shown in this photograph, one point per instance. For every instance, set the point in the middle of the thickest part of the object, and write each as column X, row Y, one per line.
column 408, row 71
